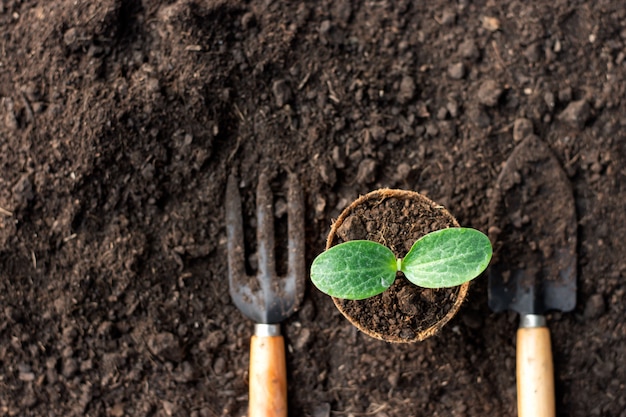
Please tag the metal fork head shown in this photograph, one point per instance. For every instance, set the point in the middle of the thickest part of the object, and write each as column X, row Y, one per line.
column 266, row 297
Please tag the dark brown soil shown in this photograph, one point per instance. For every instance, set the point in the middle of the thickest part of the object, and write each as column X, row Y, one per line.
column 120, row 121
column 405, row 312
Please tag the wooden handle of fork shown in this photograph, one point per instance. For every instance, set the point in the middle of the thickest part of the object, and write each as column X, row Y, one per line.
column 535, row 375
column 268, row 374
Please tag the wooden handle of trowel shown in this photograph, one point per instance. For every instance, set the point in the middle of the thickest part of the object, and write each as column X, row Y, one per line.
column 535, row 373
column 268, row 373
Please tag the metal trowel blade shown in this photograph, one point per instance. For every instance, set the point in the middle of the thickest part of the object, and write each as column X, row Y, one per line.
column 533, row 229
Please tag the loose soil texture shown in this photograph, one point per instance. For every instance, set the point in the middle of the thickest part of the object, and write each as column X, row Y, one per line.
column 120, row 121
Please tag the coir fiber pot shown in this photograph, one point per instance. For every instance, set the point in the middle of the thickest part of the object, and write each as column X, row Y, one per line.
column 404, row 312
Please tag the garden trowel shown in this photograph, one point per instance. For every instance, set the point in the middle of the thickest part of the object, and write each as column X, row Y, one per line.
column 533, row 231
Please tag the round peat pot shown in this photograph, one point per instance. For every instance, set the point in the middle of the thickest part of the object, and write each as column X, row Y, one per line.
column 404, row 312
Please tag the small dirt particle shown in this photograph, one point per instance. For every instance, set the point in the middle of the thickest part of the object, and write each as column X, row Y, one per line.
column 85, row 398
column 320, row 206
column 327, row 172
column 492, row 24
column 23, row 191
column 549, row 99
column 324, row 32
column 453, row 108
column 282, row 92
column 456, row 71
column 117, row 410
column 303, row 339
column 565, row 95
column 104, row 329
column 69, row 368
column 339, row 157
column 67, row 352
column 322, row 410
column 166, row 346
column 604, row 369
column 186, row 372
column 448, row 17
column 248, row 20
column 576, row 114
column 533, row 53
column 394, row 138
column 25, row 373
column 517, row 219
column 69, row 334
column 76, row 39
column 494, row 232
column 479, row 117
column 432, row 130
column 407, row 302
column 341, row 11
column 29, row 398
column 521, row 128
column 307, row 311
column 402, row 172
column 377, row 133
column 302, row 13
column 219, row 366
column 594, row 307
column 10, row 121
column 280, row 208
column 393, row 379
column 469, row 50
column 51, row 362
column 169, row 408
column 367, row 171
column 489, row 93
column 351, row 228
column 86, row 365
column 596, row 167
column 212, row 340
column 407, row 90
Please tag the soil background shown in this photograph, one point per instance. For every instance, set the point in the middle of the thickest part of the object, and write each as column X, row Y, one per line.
column 120, row 121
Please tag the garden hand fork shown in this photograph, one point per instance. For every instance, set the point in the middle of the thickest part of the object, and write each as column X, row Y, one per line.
column 267, row 299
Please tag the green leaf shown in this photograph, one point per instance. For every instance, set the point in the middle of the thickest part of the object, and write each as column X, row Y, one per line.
column 447, row 258
column 354, row 270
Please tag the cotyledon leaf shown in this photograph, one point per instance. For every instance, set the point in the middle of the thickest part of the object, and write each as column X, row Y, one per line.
column 354, row 270
column 447, row 258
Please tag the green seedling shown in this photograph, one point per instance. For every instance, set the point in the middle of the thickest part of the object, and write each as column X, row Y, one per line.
column 360, row 269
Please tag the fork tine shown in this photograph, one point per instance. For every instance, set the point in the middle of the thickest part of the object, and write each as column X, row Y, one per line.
column 296, row 262
column 234, row 231
column 274, row 297
column 265, row 230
